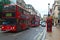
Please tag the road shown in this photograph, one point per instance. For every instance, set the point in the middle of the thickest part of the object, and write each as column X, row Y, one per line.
column 29, row 34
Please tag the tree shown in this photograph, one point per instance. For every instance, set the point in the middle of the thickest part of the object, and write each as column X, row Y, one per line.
column 1, row 6
column 6, row 1
column 3, row 2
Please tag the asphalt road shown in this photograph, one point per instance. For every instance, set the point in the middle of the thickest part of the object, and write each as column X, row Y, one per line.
column 30, row 34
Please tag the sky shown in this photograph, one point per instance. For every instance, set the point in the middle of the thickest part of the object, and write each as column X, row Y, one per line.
column 13, row 1
column 40, row 5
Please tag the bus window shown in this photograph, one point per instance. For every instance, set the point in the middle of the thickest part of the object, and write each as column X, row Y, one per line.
column 9, row 14
column 9, row 8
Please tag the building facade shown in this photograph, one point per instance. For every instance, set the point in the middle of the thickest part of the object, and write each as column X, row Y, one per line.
column 31, row 9
column 21, row 3
column 56, row 12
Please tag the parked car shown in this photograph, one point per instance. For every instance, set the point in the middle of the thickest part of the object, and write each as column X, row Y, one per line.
column 43, row 24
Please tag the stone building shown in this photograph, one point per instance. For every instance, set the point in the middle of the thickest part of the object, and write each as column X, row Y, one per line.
column 56, row 12
column 31, row 9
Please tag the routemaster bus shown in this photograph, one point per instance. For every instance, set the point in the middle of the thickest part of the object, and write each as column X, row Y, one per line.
column 16, row 18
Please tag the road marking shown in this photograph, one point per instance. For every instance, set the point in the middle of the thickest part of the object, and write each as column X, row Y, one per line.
column 39, row 38
column 36, row 35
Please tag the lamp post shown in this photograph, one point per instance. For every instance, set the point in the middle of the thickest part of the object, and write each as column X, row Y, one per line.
column 48, row 9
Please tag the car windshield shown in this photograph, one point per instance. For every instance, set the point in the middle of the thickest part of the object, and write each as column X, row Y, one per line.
column 43, row 23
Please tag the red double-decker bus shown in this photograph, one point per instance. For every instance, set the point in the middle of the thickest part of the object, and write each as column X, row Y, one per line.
column 15, row 18
column 35, row 21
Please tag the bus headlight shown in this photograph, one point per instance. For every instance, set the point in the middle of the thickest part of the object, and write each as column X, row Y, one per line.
column 13, row 27
column 2, row 27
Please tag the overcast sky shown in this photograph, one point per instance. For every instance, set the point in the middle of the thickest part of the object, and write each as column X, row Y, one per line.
column 40, row 5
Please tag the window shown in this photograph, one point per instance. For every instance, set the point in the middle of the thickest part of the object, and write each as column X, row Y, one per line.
column 9, row 14
column 20, row 4
column 23, row 16
column 9, row 8
column 36, row 23
column 12, row 7
column 24, row 21
column 33, row 22
column 58, row 21
column 58, row 2
column 59, row 8
column 59, row 15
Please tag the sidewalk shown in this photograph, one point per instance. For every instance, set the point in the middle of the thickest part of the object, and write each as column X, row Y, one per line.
column 54, row 35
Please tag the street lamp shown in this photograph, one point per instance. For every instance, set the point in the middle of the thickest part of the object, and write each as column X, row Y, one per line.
column 48, row 9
